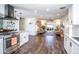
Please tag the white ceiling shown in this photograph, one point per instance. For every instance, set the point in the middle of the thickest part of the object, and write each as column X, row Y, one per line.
column 48, row 11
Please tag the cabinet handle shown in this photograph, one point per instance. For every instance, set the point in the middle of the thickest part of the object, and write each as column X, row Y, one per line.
column 66, row 39
column 70, row 44
column 24, row 37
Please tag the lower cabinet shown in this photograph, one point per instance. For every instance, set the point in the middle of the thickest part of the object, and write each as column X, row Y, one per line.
column 1, row 45
column 70, row 46
column 67, row 44
column 23, row 38
column 75, row 49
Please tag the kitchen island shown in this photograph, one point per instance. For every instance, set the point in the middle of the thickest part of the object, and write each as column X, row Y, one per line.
column 71, row 44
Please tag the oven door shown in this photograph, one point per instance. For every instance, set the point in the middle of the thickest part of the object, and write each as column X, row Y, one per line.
column 7, row 43
column 10, row 43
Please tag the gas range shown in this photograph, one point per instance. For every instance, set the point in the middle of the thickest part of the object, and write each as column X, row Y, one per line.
column 11, row 42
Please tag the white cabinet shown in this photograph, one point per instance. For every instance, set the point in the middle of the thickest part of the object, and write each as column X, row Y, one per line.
column 18, row 13
column 75, row 48
column 1, row 45
column 68, row 44
column 2, row 10
column 31, row 26
column 74, row 14
column 65, row 43
column 23, row 38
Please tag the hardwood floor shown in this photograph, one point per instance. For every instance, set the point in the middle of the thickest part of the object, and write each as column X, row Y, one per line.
column 43, row 44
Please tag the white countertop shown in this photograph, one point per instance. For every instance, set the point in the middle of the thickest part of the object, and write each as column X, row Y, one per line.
column 77, row 42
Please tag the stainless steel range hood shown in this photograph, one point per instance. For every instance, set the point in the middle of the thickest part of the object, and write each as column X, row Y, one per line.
column 8, row 12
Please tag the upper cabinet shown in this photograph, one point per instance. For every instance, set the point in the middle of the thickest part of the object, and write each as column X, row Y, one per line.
column 18, row 13
column 74, row 14
column 2, row 10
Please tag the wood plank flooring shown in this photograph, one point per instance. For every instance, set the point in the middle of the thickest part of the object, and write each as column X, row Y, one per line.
column 38, row 45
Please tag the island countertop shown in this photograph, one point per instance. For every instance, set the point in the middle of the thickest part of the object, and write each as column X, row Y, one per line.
column 73, row 39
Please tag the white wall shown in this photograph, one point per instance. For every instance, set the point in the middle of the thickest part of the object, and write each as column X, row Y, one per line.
column 65, row 20
column 66, row 24
column 31, row 26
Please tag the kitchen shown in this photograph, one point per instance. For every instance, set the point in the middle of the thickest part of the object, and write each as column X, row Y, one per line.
column 21, row 24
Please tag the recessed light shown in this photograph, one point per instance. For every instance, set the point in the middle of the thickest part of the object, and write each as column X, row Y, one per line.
column 58, row 14
column 35, row 11
column 47, row 9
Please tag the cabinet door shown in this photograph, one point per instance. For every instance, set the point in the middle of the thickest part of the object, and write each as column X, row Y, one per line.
column 75, row 14
column 75, row 48
column 69, row 46
column 2, row 10
column 23, row 38
column 16, row 13
column 1, row 45
column 65, row 43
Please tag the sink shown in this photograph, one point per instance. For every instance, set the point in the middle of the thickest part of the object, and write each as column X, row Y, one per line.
column 77, row 38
